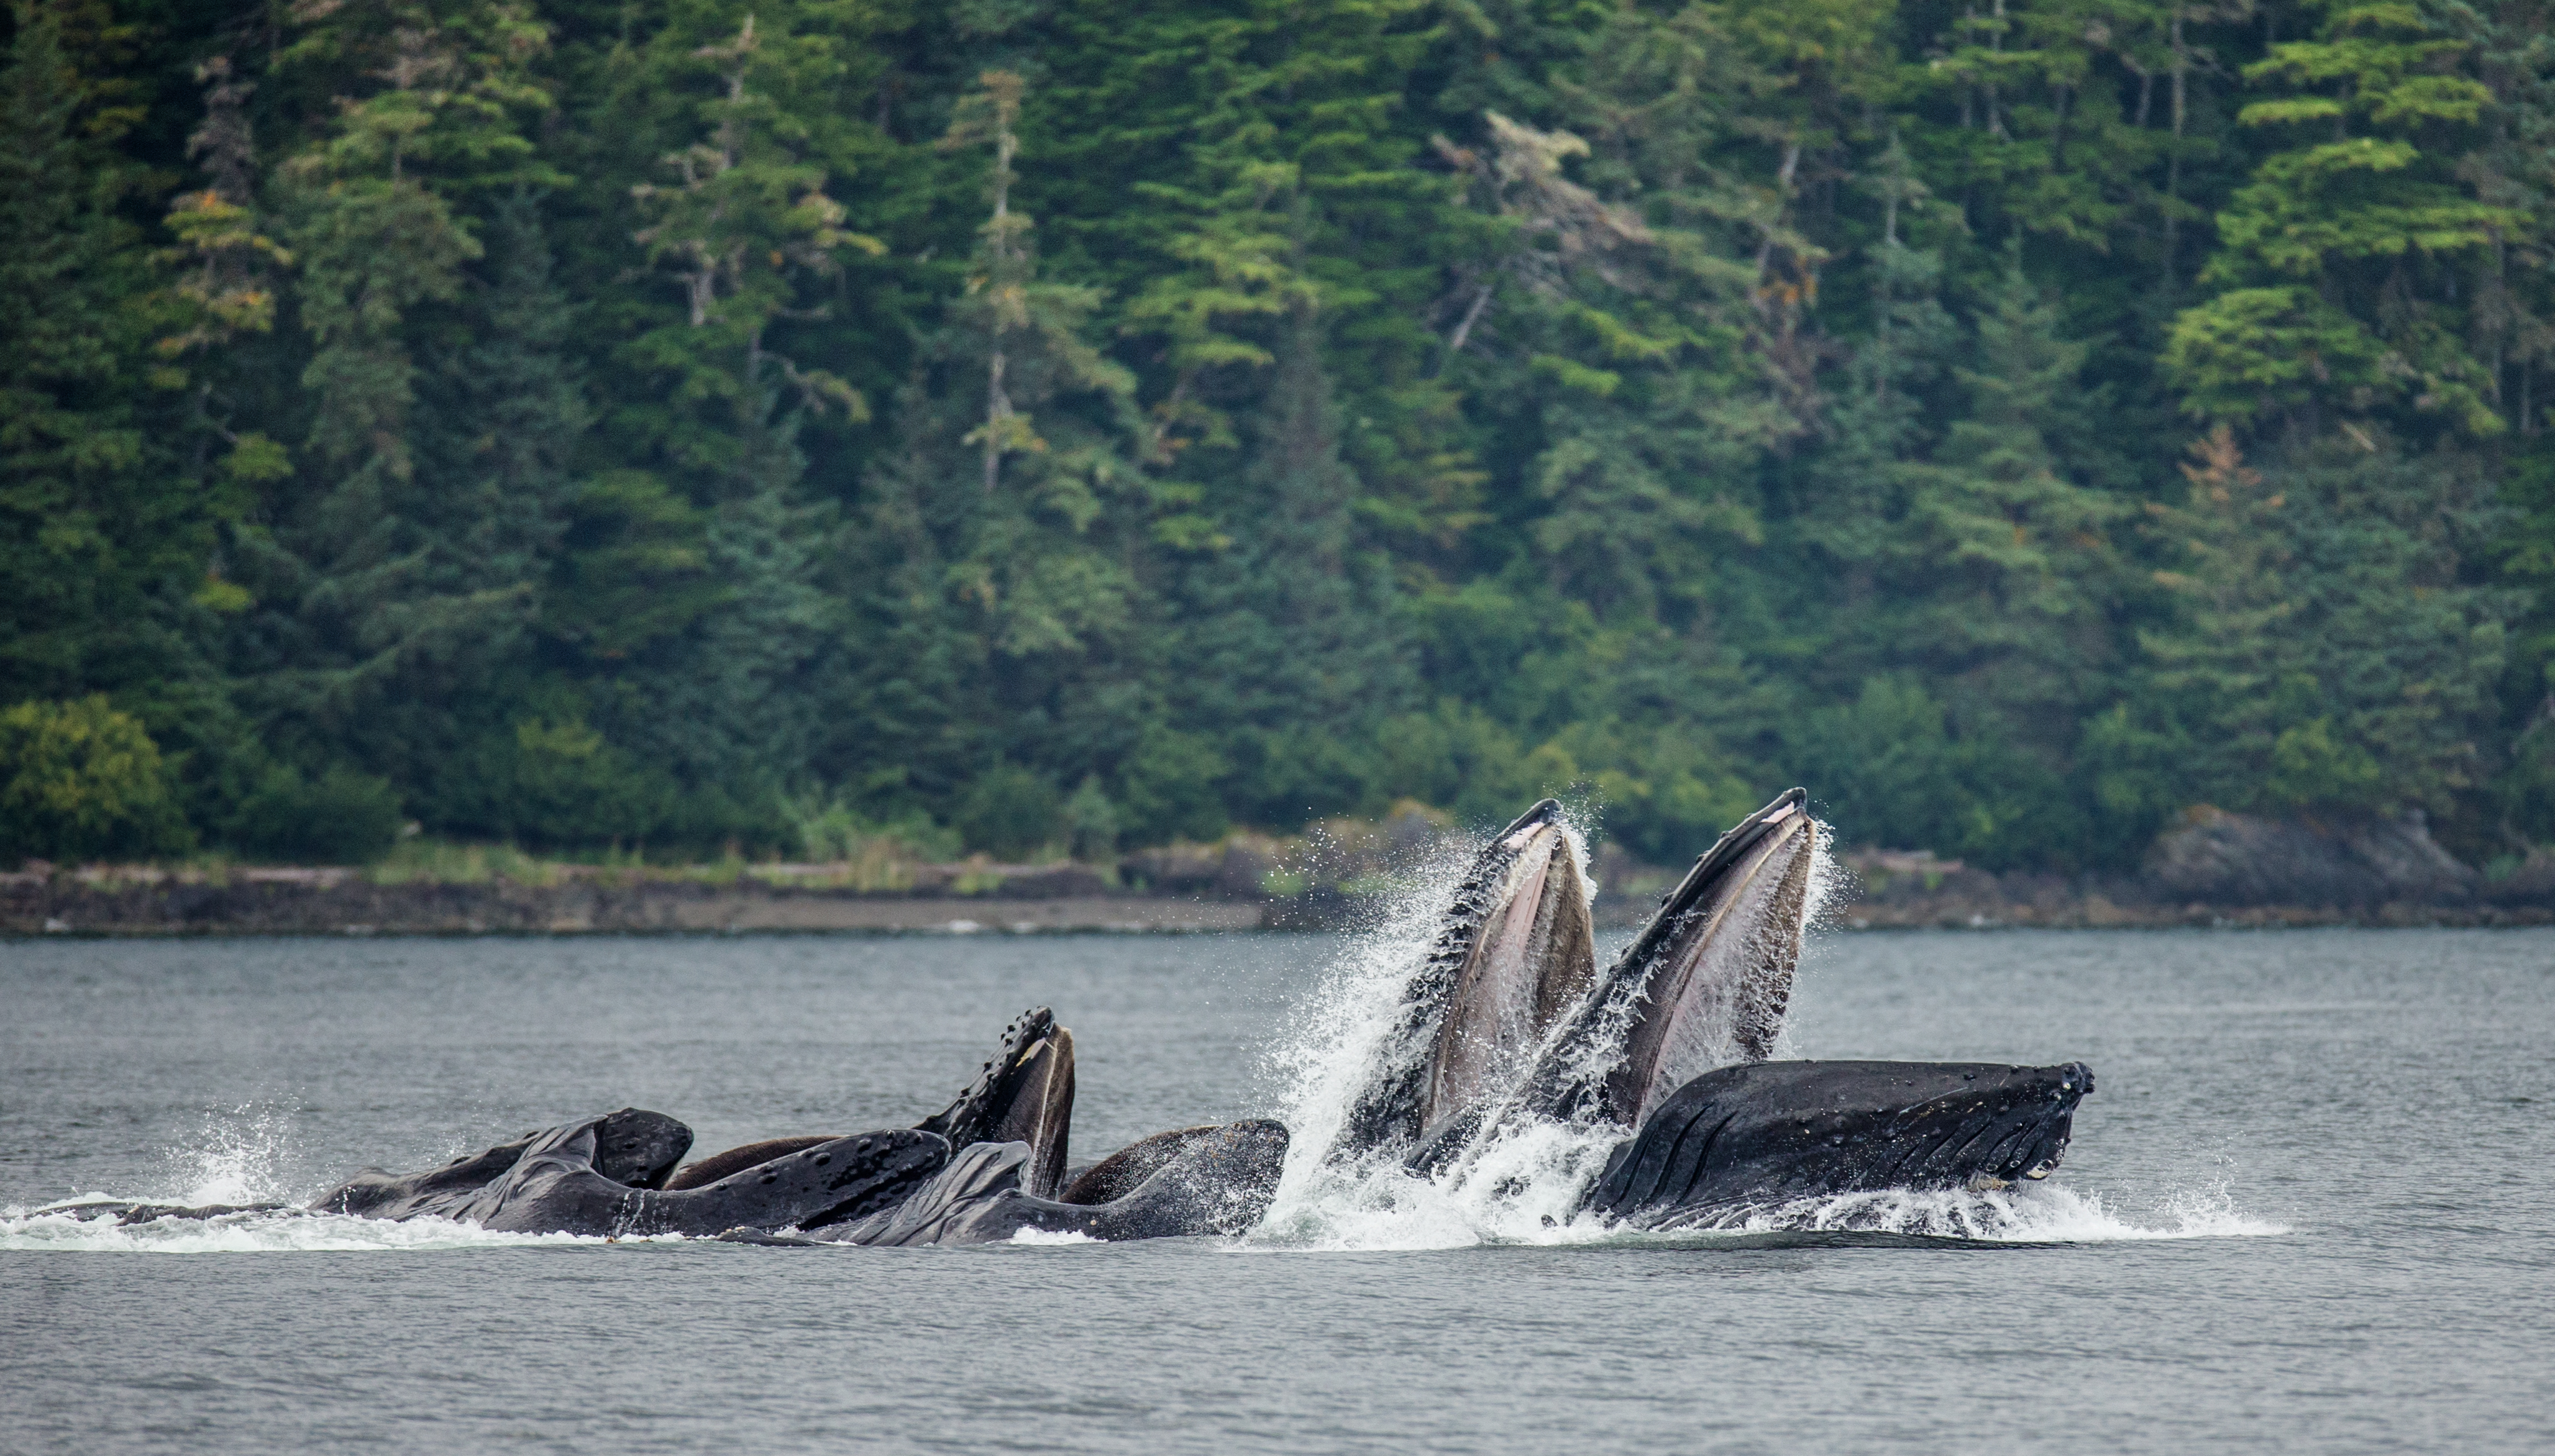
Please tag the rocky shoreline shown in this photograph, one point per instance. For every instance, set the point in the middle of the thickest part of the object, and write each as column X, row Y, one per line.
column 2211, row 869
column 342, row 903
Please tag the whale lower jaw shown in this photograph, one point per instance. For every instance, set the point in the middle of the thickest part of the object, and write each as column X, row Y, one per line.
column 1771, row 1132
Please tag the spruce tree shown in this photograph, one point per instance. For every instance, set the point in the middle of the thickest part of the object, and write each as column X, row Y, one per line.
column 100, row 540
column 2333, row 261
column 428, row 109
column 2331, row 658
column 1003, row 516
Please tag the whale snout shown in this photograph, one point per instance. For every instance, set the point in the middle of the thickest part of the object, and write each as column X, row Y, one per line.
column 2040, row 1126
column 1770, row 1131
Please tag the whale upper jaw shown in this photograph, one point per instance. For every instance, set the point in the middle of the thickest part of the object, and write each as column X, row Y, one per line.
column 1532, row 953
column 1705, row 983
column 1513, row 951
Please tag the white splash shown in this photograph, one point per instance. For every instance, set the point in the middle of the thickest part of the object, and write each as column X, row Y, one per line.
column 1051, row 1238
column 1520, row 1184
column 1340, row 1032
column 286, row 1231
column 237, row 1158
column 2044, row 1214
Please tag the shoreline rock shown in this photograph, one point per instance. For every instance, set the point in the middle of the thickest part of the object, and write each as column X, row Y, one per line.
column 2210, row 868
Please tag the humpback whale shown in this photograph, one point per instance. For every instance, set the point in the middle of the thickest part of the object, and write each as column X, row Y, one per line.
column 1507, row 1022
column 1668, row 1049
column 1770, row 1132
column 987, row 1167
column 1512, row 950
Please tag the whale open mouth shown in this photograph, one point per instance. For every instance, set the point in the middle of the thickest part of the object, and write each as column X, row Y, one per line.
column 1532, row 954
column 1704, row 985
column 1024, row 1094
column 1515, row 950
column 1717, row 964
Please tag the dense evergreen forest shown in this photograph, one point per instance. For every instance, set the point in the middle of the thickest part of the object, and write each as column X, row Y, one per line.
column 1086, row 424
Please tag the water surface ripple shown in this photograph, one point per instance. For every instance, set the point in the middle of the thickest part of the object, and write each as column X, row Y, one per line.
column 2308, row 1210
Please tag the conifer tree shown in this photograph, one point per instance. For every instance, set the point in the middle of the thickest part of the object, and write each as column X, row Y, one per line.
column 1283, row 633
column 502, row 416
column 1004, row 509
column 2336, row 262
column 89, row 538
column 744, row 242
column 2330, row 658
column 2022, row 571
column 429, row 108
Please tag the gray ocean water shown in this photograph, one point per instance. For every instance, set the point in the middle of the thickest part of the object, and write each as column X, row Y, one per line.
column 2311, row 1208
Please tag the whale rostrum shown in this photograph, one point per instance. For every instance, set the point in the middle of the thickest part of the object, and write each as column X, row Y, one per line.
column 1506, row 1023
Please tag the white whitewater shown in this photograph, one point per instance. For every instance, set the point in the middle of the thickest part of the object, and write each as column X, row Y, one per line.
column 239, row 1158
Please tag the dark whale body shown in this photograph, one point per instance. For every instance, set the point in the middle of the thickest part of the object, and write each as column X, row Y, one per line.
column 631, row 1149
column 600, row 1177
column 1218, row 1183
column 1669, row 1045
column 556, row 1189
column 985, row 1168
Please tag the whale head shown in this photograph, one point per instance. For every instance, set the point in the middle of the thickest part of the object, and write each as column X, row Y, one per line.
column 1705, row 984
column 1024, row 1094
column 1513, row 949
column 1769, row 1132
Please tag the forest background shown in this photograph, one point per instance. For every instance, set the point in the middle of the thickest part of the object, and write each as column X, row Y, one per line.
column 1037, row 425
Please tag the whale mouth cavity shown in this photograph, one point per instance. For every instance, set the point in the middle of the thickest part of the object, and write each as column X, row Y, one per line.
column 1721, row 958
column 1532, row 954
column 1705, row 984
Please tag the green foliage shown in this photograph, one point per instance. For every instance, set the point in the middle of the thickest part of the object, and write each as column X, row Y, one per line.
column 79, row 780
column 2363, row 206
column 340, row 817
column 741, row 422
column 1090, row 821
column 1172, row 787
column 566, row 785
column 1010, row 813
column 96, row 527
column 1890, row 771
column 2330, row 655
